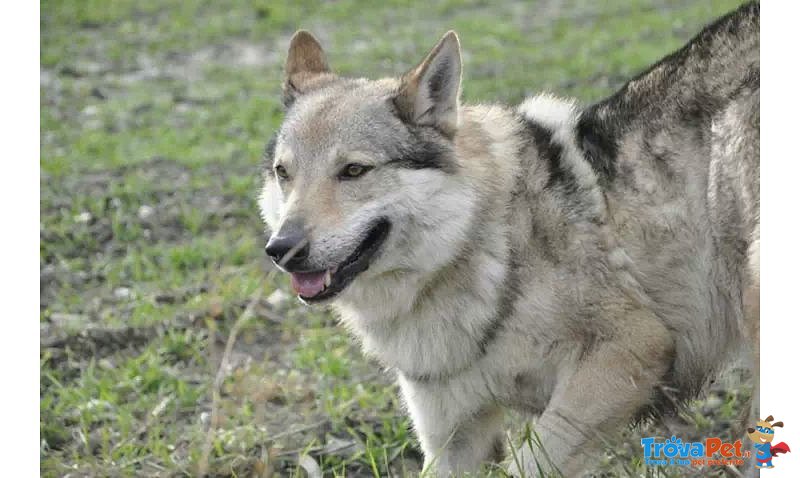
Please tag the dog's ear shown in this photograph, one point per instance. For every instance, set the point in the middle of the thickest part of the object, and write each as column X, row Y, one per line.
column 777, row 424
column 428, row 93
column 306, row 66
column 768, row 419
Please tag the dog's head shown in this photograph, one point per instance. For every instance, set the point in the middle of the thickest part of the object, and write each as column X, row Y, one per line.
column 362, row 177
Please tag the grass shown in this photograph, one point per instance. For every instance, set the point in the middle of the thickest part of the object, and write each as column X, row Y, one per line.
column 154, row 116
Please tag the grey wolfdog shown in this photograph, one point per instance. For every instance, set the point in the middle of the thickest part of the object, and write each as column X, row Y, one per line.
column 584, row 265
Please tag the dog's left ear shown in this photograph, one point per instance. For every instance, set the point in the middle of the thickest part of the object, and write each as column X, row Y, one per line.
column 428, row 93
column 777, row 424
column 306, row 67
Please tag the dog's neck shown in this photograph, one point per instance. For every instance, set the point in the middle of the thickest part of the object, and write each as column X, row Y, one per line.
column 398, row 316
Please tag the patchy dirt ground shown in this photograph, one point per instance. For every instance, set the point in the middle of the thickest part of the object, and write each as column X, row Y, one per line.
column 153, row 120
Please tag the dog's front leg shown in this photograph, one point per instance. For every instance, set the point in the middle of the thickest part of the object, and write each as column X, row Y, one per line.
column 595, row 397
column 457, row 432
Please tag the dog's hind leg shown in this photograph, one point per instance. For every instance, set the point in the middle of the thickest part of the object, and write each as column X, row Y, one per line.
column 614, row 380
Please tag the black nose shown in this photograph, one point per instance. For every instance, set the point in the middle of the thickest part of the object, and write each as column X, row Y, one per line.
column 288, row 248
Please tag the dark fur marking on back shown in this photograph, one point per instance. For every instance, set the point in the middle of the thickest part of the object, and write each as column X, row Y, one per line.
column 550, row 151
column 599, row 146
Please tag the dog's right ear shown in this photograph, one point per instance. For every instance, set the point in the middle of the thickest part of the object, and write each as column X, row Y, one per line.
column 306, row 67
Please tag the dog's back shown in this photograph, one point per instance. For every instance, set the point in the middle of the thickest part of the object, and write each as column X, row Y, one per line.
column 678, row 150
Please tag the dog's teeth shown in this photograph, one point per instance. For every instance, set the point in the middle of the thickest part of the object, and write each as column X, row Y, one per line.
column 327, row 278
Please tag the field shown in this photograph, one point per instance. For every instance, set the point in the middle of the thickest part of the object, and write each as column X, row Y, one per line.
column 168, row 347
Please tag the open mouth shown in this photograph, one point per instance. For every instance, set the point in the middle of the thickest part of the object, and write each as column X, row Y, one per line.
column 321, row 285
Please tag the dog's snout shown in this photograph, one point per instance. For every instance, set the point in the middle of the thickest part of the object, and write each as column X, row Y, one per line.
column 289, row 247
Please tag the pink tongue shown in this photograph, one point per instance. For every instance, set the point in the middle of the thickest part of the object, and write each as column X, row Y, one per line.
column 308, row 284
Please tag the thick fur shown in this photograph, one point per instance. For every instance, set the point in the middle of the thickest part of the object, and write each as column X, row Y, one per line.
column 581, row 264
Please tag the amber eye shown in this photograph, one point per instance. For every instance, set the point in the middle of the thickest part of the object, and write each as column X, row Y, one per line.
column 280, row 171
column 352, row 171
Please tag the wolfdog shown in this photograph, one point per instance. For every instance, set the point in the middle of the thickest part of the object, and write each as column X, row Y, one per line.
column 586, row 265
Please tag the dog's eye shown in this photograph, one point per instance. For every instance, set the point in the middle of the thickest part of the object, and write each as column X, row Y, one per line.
column 352, row 171
column 280, row 171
